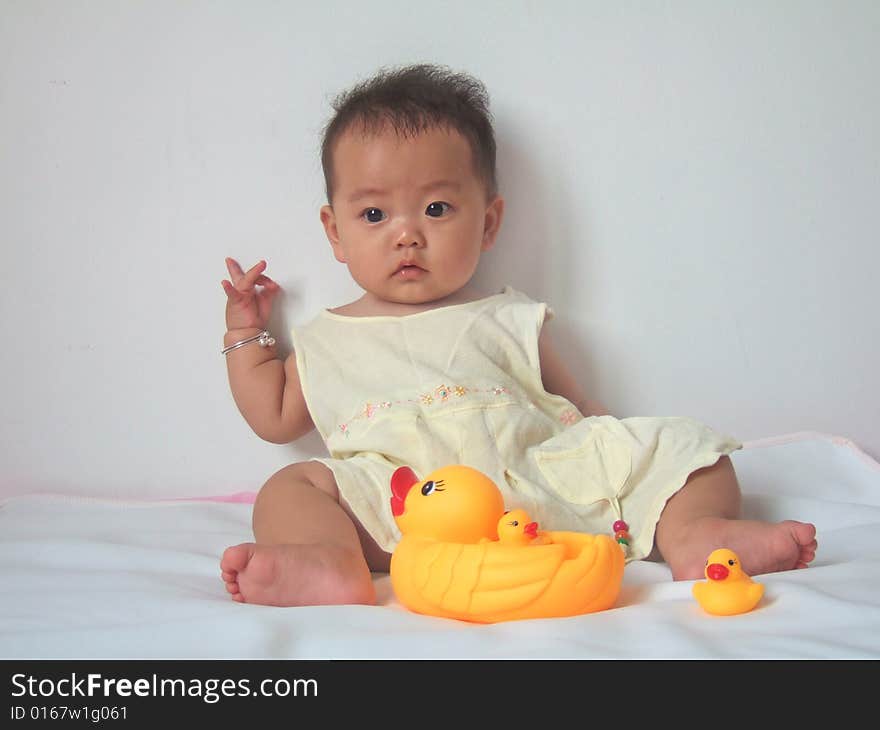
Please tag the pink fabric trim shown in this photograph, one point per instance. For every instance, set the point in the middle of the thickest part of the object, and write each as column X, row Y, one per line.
column 791, row 438
column 238, row 497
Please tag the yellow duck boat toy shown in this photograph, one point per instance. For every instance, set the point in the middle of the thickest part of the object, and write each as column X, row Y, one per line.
column 451, row 563
column 727, row 590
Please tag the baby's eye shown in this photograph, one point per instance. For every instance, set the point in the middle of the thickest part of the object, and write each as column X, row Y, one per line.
column 373, row 215
column 436, row 209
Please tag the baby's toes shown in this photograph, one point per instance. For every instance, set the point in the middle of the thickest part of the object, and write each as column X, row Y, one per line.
column 807, row 555
column 235, row 558
column 804, row 533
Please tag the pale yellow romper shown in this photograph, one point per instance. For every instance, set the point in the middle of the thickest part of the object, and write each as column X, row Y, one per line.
column 462, row 385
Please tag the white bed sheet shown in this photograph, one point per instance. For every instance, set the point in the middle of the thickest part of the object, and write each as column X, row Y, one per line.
column 86, row 578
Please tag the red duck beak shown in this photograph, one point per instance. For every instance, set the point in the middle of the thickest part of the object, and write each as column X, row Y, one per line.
column 531, row 529
column 401, row 482
column 717, row 571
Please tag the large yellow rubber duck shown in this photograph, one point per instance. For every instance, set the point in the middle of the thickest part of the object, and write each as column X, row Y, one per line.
column 727, row 590
column 450, row 562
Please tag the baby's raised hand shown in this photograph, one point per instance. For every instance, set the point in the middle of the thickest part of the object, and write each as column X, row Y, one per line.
column 246, row 304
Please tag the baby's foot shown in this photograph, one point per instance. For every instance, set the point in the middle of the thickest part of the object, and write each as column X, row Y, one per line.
column 295, row 575
column 762, row 547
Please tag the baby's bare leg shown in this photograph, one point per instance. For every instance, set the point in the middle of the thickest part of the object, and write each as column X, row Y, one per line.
column 308, row 548
column 705, row 515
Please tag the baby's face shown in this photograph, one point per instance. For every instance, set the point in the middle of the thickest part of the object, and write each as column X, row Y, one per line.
column 410, row 217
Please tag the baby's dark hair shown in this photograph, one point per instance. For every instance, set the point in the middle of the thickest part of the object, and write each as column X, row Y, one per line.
column 411, row 100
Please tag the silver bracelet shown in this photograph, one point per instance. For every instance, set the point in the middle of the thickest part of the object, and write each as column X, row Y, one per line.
column 264, row 339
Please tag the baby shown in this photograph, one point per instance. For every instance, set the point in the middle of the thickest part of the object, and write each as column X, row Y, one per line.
column 425, row 370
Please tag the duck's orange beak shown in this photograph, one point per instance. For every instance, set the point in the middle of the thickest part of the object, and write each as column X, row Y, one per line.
column 531, row 529
column 717, row 571
column 401, row 482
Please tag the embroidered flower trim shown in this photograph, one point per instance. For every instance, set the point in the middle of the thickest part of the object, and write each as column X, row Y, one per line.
column 440, row 394
column 570, row 417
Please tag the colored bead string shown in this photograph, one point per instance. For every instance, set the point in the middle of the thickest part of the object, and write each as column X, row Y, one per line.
column 621, row 534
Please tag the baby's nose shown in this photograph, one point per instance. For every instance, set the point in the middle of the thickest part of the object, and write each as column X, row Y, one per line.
column 410, row 236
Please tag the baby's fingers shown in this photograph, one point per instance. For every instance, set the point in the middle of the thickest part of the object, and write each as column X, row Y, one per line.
column 234, row 294
column 267, row 282
column 243, row 280
column 233, row 268
column 250, row 278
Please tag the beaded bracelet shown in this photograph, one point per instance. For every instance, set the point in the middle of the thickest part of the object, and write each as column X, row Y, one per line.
column 264, row 339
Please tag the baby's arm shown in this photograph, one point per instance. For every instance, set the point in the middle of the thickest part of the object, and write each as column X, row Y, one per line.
column 557, row 378
column 266, row 390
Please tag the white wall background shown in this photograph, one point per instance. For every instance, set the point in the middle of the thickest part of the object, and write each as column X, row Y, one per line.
column 693, row 186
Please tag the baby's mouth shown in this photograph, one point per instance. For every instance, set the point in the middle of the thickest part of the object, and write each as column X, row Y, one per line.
column 409, row 271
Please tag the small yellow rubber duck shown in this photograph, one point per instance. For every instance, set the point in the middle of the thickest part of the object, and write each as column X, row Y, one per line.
column 450, row 561
column 516, row 528
column 728, row 590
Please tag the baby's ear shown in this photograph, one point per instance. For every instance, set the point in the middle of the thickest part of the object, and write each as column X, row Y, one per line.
column 328, row 220
column 492, row 221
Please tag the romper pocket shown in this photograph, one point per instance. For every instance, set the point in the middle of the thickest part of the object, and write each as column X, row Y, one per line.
column 589, row 462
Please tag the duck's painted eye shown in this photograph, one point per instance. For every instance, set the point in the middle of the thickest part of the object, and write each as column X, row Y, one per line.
column 428, row 488
column 731, row 562
column 515, row 523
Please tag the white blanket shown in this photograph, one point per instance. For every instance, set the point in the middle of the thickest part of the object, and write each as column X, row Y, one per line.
column 86, row 578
